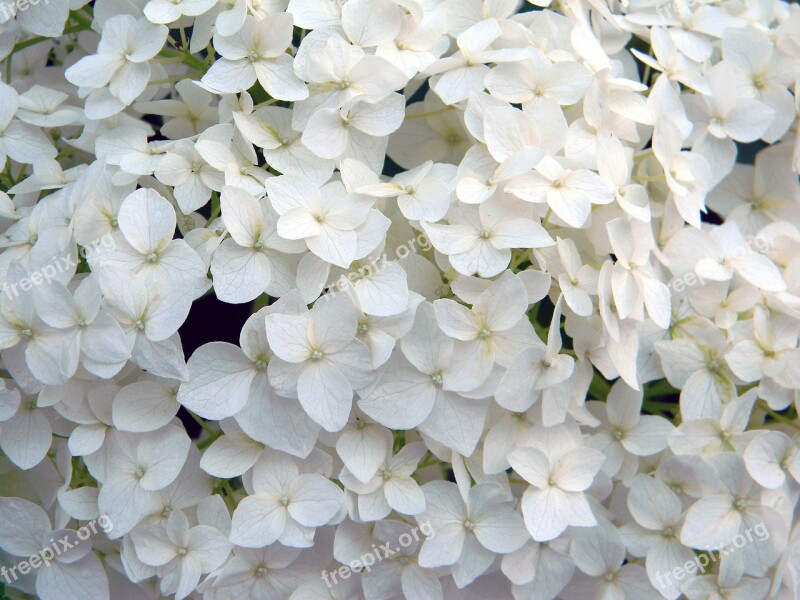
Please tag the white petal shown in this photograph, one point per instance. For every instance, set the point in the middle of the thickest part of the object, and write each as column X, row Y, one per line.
column 363, row 450
column 75, row 581
column 326, row 135
column 444, row 548
column 277, row 77
column 501, row 530
column 314, row 500
column 653, row 504
column 384, row 292
column 648, row 437
column 87, row 439
column 764, row 457
column 711, row 522
column 163, row 460
column 401, row 398
column 209, row 546
column 404, row 495
column 219, row 384
column 543, row 511
column 257, row 521
column 240, row 274
column 143, row 406
column 456, row 422
column 242, row 215
column 574, row 471
column 325, row 394
column 22, row 527
column 230, row 456
column 229, row 76
column 26, row 438
column 665, row 556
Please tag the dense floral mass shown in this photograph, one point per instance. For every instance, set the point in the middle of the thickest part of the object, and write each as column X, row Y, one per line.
column 525, row 289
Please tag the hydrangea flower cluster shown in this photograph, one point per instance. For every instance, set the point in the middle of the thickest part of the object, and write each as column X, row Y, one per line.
column 526, row 299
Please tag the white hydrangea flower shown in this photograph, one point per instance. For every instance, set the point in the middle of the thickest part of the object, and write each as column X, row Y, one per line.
column 27, row 530
column 518, row 299
column 286, row 506
column 121, row 62
column 559, row 471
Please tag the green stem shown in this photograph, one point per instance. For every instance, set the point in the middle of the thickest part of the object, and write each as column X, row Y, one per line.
column 432, row 113
column 659, row 406
column 215, row 208
column 165, row 60
column 260, row 302
column 428, row 462
column 399, row 440
column 205, row 443
column 20, row 174
column 646, row 179
column 229, row 492
column 68, row 151
column 83, row 25
column 599, row 387
column 647, row 68
column 7, row 181
column 168, row 80
column 660, row 389
column 187, row 58
column 39, row 39
column 211, row 433
column 547, row 216
column 82, row 19
column 521, row 258
column 269, row 102
column 762, row 404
